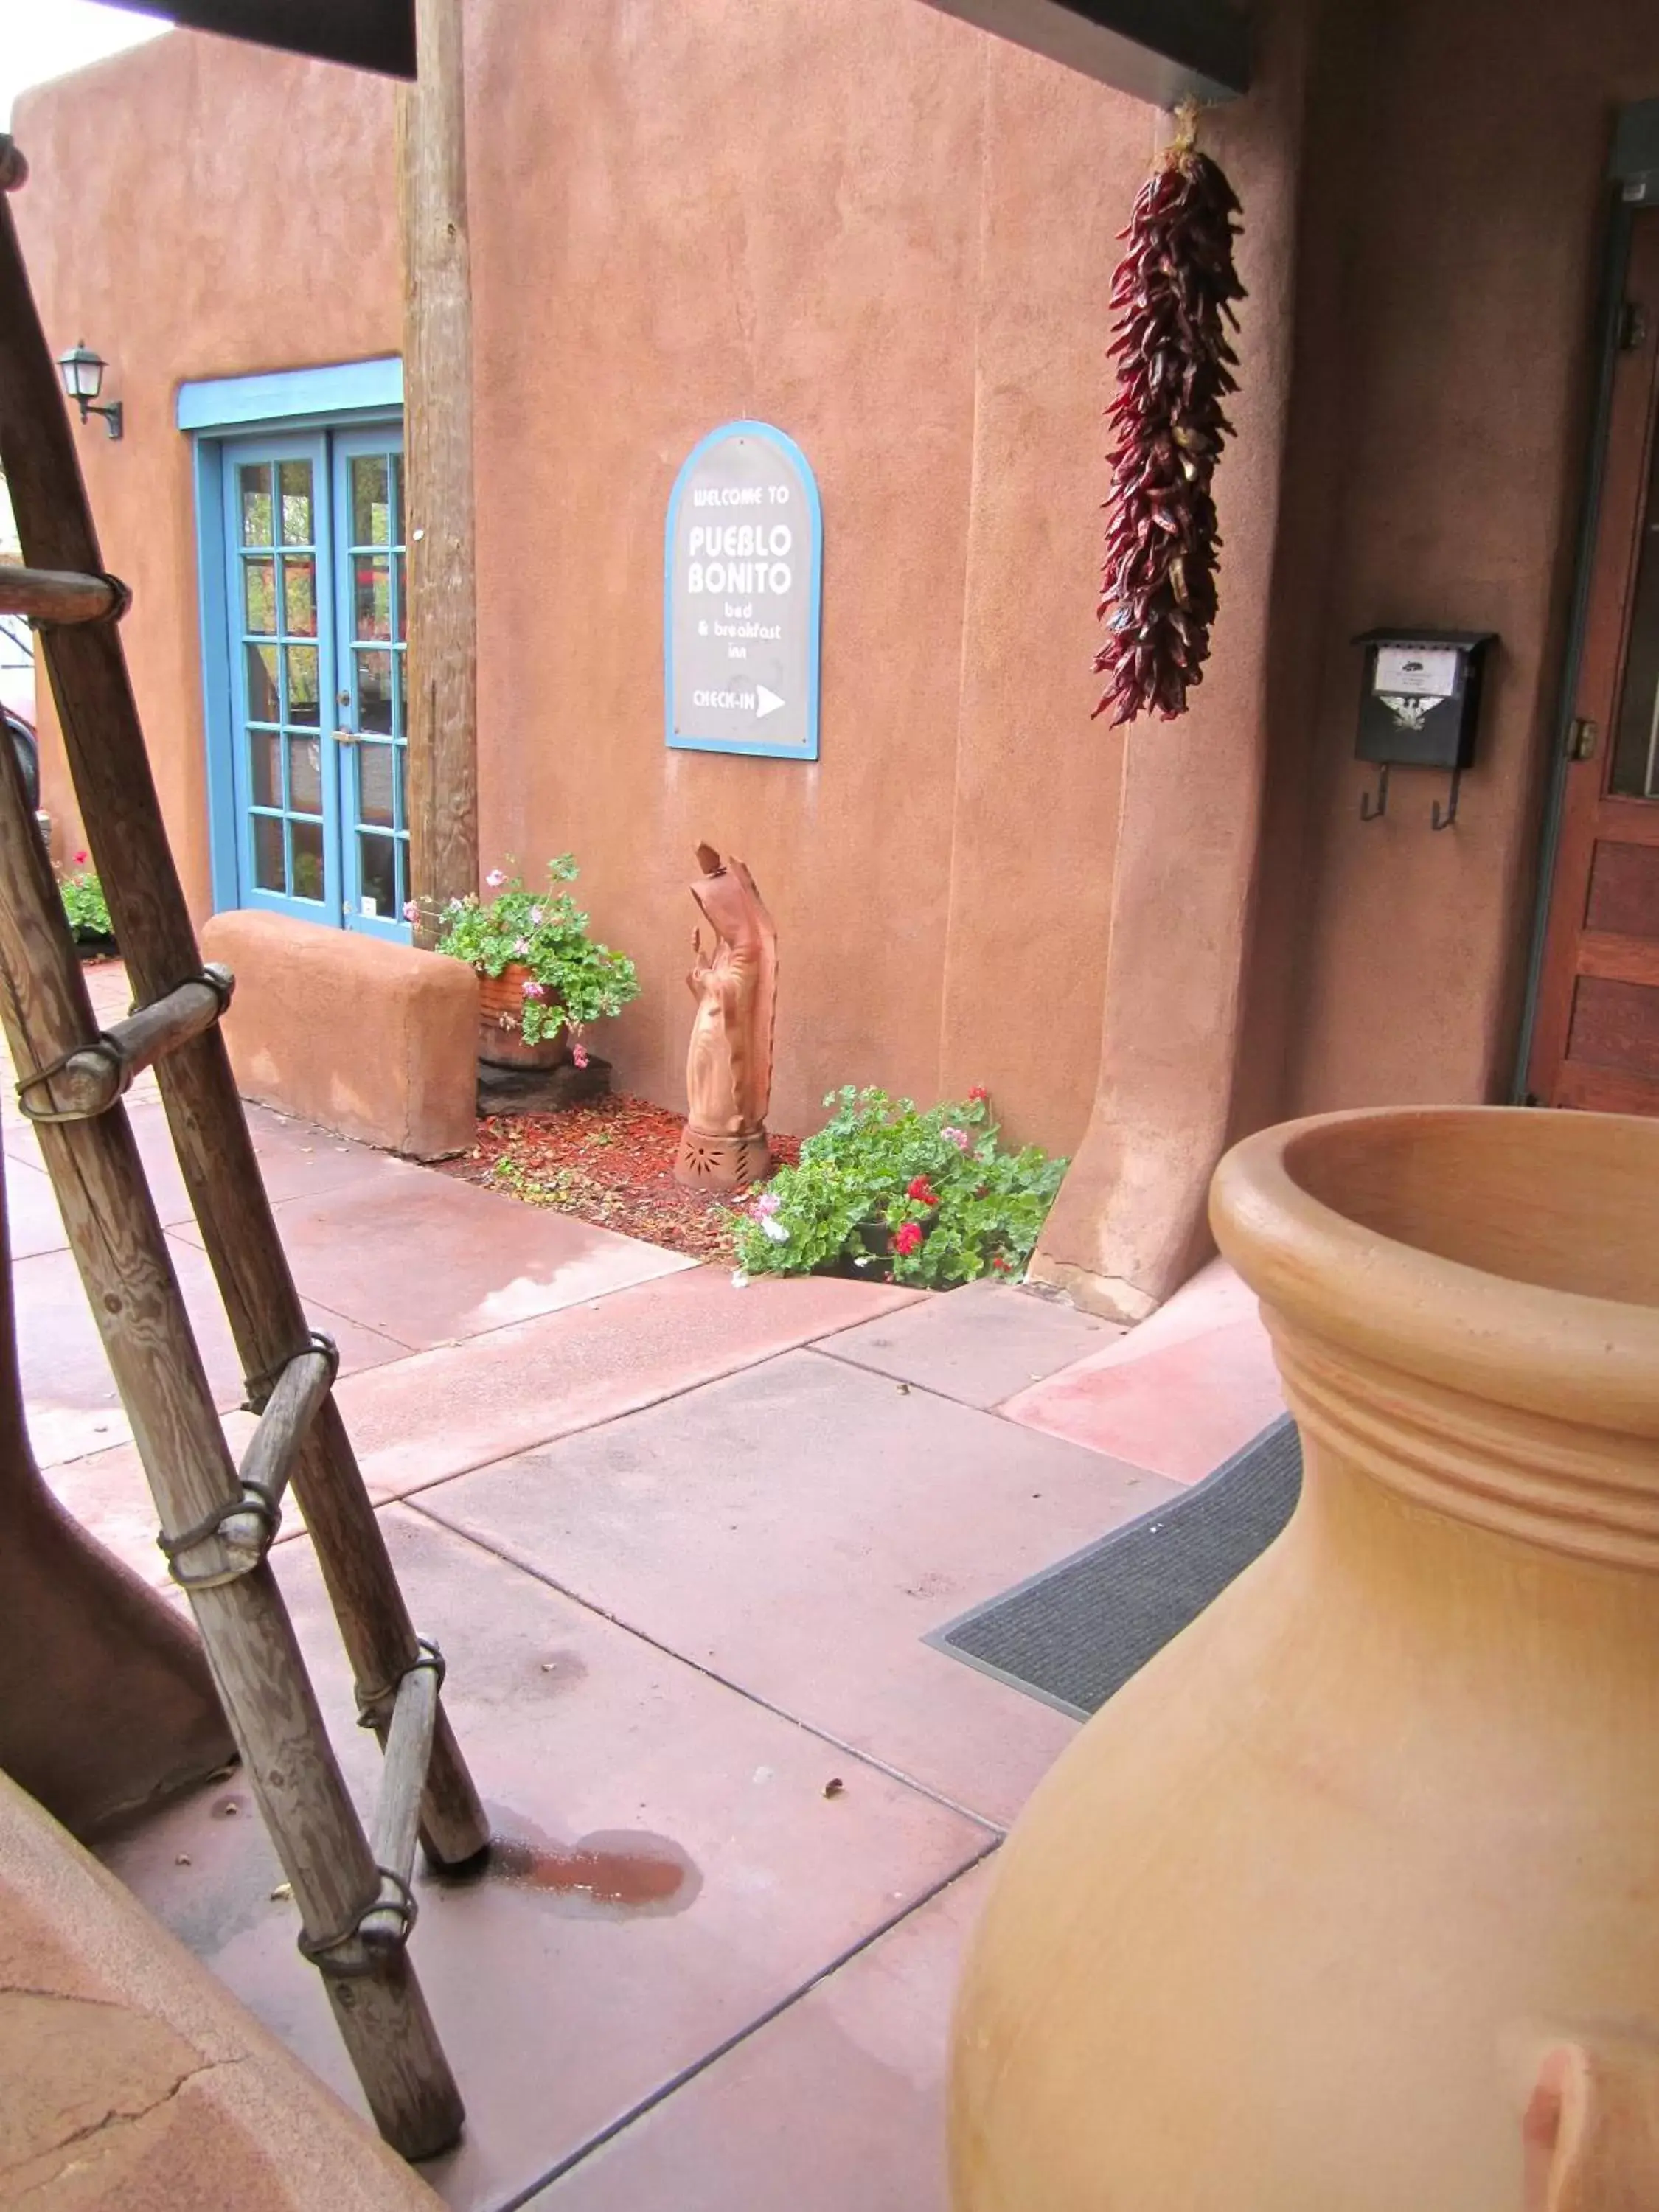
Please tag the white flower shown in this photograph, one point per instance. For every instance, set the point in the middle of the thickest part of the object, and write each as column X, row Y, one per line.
column 741, row 1279
column 522, row 948
column 536, row 917
column 774, row 1229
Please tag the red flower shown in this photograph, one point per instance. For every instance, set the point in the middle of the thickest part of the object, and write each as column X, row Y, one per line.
column 981, row 1093
column 922, row 1191
column 79, row 860
column 906, row 1240
column 1001, row 1262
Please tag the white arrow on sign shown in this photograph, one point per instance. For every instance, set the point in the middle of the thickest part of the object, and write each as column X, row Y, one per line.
column 766, row 702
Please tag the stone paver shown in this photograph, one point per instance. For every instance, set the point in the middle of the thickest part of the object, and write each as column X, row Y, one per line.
column 444, row 1412
column 1179, row 1394
column 797, row 1530
column 681, row 1544
column 719, row 1881
column 107, row 1492
column 836, row 2106
column 980, row 1344
column 33, row 1224
column 68, row 1392
column 428, row 1259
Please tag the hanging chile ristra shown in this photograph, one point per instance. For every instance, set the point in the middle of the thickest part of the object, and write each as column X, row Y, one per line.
column 1173, row 293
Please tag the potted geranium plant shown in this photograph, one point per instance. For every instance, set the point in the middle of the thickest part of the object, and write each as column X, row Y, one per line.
column 541, row 977
column 85, row 908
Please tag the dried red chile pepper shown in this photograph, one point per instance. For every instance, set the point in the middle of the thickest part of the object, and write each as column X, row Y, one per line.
column 1173, row 292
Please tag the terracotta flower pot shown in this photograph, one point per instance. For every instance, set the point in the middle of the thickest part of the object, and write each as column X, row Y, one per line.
column 501, row 1031
column 1359, row 1875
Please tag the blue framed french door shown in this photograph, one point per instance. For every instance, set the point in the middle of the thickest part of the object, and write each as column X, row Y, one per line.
column 370, row 587
column 314, row 590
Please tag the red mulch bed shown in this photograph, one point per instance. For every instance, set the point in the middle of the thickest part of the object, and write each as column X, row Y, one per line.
column 610, row 1163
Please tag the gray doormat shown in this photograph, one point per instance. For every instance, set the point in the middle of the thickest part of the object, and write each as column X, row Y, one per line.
column 1076, row 1632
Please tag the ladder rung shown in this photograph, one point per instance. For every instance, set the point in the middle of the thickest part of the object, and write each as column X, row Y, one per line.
column 408, row 1752
column 91, row 1081
column 57, row 595
column 275, row 1445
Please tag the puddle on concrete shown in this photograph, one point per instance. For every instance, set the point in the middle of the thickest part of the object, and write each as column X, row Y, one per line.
column 615, row 1873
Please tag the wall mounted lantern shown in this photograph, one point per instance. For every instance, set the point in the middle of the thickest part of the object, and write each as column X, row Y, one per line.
column 83, row 371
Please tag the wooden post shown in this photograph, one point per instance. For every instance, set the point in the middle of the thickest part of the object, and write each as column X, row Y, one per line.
column 116, row 792
column 116, row 1237
column 442, row 688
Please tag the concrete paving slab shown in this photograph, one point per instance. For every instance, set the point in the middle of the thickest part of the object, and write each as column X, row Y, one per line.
column 68, row 1392
column 428, row 1259
column 33, row 1224
column 16, row 1133
column 1179, row 1393
column 677, row 1871
column 797, row 1529
column 297, row 1161
column 462, row 1405
column 109, row 1495
column 836, row 2106
column 978, row 1344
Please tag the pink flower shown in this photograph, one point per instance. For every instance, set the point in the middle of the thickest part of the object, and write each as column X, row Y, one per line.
column 906, row 1239
column 80, row 859
column 412, row 912
column 536, row 917
column 522, row 948
column 532, row 989
column 959, row 1138
column 768, row 1202
column 494, row 879
column 578, row 1054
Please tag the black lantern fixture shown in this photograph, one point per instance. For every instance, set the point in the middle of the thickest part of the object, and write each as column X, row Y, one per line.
column 83, row 371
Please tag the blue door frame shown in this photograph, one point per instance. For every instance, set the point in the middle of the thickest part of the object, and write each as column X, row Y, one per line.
column 296, row 674
column 369, row 655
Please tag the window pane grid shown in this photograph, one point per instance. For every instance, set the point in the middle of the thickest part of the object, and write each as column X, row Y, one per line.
column 302, row 626
column 378, row 625
column 281, row 659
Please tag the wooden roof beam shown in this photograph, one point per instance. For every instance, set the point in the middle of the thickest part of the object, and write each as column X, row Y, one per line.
column 370, row 34
column 1159, row 51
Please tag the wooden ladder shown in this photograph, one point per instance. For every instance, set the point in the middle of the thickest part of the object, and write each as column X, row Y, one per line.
column 353, row 1890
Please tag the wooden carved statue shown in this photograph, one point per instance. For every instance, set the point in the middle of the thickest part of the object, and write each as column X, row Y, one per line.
column 728, row 1068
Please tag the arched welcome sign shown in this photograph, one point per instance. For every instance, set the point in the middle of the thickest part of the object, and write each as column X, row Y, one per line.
column 742, row 565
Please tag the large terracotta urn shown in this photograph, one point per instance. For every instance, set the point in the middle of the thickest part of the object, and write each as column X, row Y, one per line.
column 1349, row 1901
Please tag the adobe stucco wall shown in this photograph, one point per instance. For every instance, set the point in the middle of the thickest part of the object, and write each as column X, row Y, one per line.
column 196, row 208
column 866, row 222
column 1471, row 166
column 1433, row 244
column 892, row 236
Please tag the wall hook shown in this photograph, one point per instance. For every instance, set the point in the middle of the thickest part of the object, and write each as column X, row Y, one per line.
column 1368, row 813
column 1436, row 819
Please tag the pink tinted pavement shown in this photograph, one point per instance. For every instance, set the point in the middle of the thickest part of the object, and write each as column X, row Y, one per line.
column 1177, row 1395
column 680, row 1543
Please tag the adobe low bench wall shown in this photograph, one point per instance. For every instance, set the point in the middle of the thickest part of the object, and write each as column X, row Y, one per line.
column 373, row 1039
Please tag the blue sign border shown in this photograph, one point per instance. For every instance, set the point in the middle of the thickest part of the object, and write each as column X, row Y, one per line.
column 762, row 746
